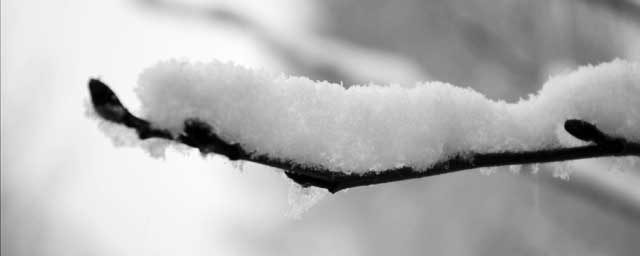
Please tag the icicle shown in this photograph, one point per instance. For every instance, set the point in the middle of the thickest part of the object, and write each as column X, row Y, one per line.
column 620, row 164
column 562, row 170
column 156, row 147
column 515, row 168
column 535, row 168
column 238, row 165
column 302, row 199
column 488, row 170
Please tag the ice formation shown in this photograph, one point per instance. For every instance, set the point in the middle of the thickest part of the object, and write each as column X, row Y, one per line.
column 374, row 127
column 302, row 199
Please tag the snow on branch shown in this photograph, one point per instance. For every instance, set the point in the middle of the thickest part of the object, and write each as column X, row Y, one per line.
column 324, row 135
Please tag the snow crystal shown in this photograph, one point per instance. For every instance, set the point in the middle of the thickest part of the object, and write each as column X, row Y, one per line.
column 373, row 127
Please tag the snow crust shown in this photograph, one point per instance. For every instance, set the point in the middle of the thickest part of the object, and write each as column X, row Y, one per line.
column 374, row 127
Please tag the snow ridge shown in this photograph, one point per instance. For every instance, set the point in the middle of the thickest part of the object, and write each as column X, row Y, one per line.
column 374, row 127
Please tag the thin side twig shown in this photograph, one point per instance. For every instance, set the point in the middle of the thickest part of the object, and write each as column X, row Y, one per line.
column 201, row 135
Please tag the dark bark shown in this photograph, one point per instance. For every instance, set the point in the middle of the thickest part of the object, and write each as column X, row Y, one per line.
column 201, row 135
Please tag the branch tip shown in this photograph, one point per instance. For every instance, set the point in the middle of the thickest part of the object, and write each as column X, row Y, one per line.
column 585, row 131
column 106, row 103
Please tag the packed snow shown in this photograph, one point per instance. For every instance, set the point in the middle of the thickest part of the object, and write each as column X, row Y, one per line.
column 377, row 127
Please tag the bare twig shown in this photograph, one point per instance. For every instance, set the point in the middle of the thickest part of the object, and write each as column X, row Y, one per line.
column 200, row 135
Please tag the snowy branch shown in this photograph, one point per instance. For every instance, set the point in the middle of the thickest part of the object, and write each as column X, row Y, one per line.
column 200, row 135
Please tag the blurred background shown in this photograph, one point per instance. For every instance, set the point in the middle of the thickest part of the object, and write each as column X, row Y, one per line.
column 66, row 190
